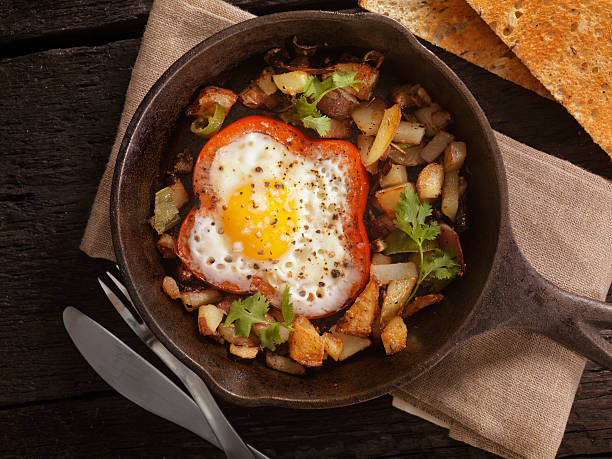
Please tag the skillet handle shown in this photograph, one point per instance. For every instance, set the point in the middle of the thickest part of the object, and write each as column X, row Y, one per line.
column 521, row 299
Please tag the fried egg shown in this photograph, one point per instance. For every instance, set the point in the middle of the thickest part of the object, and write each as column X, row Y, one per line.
column 278, row 218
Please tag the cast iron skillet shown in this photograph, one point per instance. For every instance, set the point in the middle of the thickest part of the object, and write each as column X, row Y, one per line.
column 500, row 290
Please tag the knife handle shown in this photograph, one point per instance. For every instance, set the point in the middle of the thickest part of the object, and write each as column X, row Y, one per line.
column 229, row 439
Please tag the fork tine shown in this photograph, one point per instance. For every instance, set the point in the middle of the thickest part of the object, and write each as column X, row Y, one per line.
column 120, row 286
column 121, row 309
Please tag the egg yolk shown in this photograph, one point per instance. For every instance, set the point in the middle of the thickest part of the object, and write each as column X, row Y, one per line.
column 260, row 220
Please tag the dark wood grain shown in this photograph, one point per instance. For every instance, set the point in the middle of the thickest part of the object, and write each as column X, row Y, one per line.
column 58, row 113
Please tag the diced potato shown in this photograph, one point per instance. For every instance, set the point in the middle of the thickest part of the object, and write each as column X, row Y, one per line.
column 333, row 345
column 254, row 97
column 410, row 133
column 454, row 156
column 436, row 146
column 358, row 319
column 433, row 117
column 209, row 318
column 368, row 116
column 291, row 83
column 410, row 95
column 380, row 259
column 396, row 175
column 178, row 194
column 170, row 288
column 338, row 104
column 265, row 82
column 197, row 298
column 388, row 198
column 398, row 292
column 364, row 142
column 421, row 302
column 351, row 345
column 305, row 345
column 365, row 73
column 406, row 156
column 394, row 336
column 228, row 333
column 430, row 180
column 385, row 134
column 450, row 194
column 284, row 364
column 244, row 352
column 387, row 273
column 166, row 245
column 208, row 97
column 339, row 129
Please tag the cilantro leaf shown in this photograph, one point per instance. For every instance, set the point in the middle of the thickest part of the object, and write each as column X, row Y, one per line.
column 321, row 123
column 305, row 106
column 270, row 336
column 287, row 309
column 440, row 265
column 410, row 217
column 418, row 236
column 246, row 312
column 399, row 242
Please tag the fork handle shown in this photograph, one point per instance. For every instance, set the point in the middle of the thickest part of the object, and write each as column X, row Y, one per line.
column 233, row 446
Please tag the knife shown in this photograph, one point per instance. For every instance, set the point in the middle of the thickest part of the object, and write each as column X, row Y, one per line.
column 134, row 377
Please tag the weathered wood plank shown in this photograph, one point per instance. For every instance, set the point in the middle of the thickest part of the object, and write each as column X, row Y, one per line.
column 57, row 22
column 107, row 425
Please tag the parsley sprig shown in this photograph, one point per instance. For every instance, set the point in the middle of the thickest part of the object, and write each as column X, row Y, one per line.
column 410, row 217
column 246, row 312
column 314, row 90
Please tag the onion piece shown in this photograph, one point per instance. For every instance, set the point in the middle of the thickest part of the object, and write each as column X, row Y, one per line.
column 410, row 133
column 450, row 194
column 454, row 156
column 386, row 131
column 409, row 155
column 436, row 146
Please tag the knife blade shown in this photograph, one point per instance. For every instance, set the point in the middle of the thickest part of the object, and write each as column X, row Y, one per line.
column 134, row 377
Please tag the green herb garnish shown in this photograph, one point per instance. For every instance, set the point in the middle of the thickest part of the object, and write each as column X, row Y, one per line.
column 410, row 216
column 246, row 312
column 306, row 105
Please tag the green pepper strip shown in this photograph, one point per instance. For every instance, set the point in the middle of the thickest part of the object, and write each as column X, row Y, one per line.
column 206, row 125
column 166, row 215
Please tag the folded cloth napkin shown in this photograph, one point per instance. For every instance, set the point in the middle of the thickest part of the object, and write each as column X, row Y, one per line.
column 507, row 392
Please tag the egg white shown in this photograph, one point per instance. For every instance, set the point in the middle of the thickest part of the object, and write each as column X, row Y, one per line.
column 317, row 267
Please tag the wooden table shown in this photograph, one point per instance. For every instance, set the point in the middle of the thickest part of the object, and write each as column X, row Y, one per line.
column 64, row 69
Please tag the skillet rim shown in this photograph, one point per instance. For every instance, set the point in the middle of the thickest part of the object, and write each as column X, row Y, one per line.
column 461, row 91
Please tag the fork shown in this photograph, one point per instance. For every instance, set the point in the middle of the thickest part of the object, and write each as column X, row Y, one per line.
column 233, row 446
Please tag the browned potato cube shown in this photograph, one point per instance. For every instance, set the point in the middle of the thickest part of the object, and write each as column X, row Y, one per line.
column 339, row 129
column 291, row 83
column 170, row 288
column 333, row 345
column 228, row 333
column 368, row 115
column 178, row 194
column 284, row 364
column 421, row 302
column 394, row 336
column 365, row 73
column 358, row 319
column 209, row 318
column 265, row 82
column 305, row 345
column 197, row 298
column 166, row 245
column 388, row 198
column 395, row 299
column 430, row 180
column 396, row 176
column 352, row 345
column 244, row 352
column 338, row 104
column 208, row 97
column 410, row 95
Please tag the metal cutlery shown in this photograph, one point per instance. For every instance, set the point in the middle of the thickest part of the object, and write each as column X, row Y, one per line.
column 229, row 439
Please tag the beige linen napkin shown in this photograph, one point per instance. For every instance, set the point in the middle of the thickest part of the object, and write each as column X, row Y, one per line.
column 506, row 392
